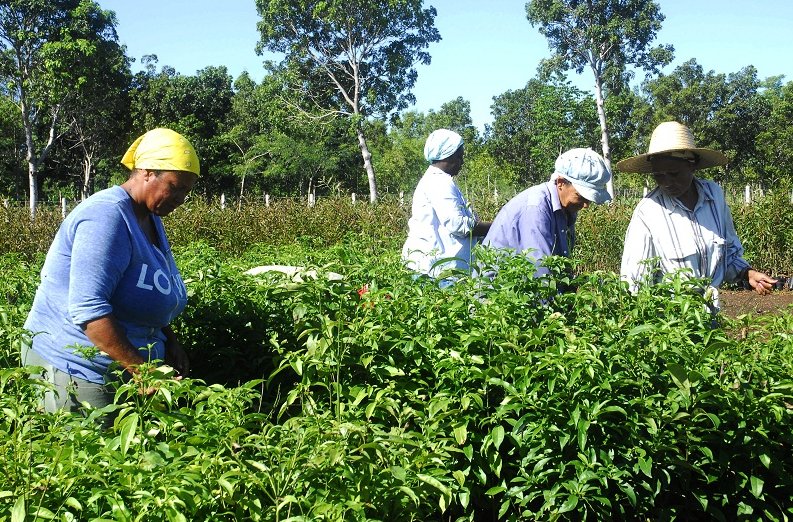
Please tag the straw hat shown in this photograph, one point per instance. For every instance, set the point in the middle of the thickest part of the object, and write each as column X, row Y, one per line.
column 669, row 138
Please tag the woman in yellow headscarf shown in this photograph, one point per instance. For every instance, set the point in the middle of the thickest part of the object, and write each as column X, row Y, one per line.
column 109, row 285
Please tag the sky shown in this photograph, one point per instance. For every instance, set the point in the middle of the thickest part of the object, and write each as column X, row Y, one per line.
column 488, row 46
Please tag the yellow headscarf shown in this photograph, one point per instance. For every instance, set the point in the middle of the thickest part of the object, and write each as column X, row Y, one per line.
column 162, row 149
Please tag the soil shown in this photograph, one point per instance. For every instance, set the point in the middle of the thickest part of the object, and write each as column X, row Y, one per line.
column 739, row 302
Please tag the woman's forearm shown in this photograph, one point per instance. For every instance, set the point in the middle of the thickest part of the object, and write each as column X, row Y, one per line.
column 109, row 336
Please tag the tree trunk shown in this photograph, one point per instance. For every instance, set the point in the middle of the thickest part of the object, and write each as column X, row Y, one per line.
column 367, row 164
column 33, row 178
column 604, row 131
column 33, row 162
column 88, row 166
column 242, row 191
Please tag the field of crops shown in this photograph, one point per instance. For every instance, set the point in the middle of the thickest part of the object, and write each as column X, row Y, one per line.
column 381, row 397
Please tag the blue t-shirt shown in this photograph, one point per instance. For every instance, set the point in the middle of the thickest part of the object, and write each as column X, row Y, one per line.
column 100, row 263
column 535, row 223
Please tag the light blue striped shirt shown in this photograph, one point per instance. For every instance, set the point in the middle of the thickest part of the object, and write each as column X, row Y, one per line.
column 702, row 241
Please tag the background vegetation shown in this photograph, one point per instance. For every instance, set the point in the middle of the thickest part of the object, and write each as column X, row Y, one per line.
column 764, row 226
column 67, row 123
column 377, row 396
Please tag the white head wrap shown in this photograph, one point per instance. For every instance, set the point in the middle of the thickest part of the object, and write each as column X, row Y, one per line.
column 441, row 144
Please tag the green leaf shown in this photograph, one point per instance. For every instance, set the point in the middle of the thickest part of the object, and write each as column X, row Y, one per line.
column 495, row 490
column 74, row 504
column 504, row 508
column 757, row 486
column 226, row 485
column 409, row 492
column 435, row 483
column 399, row 473
column 569, row 505
column 679, row 377
column 461, row 434
column 468, row 451
column 18, row 511
column 765, row 460
column 583, row 427
column 297, row 365
column 646, row 466
column 630, row 493
column 369, row 410
column 129, row 427
column 641, row 329
column 43, row 513
column 497, row 434
column 465, row 498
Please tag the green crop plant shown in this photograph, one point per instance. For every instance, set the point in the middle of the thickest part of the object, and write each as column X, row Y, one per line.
column 381, row 396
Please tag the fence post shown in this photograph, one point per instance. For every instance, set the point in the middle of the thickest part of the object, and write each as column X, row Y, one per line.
column 353, row 198
column 747, row 194
column 222, row 201
column 267, row 200
column 63, row 208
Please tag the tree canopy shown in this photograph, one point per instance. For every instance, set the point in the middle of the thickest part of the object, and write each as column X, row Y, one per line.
column 350, row 57
column 70, row 106
column 606, row 36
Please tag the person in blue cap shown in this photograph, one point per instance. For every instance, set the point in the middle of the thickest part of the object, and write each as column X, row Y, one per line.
column 540, row 221
column 442, row 228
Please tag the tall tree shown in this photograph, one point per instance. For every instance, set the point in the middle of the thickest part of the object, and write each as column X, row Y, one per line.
column 198, row 106
column 45, row 53
column 98, row 116
column 455, row 115
column 775, row 154
column 12, row 175
column 350, row 57
column 604, row 35
column 533, row 125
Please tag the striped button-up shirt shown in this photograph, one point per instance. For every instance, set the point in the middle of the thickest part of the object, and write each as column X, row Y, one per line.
column 702, row 241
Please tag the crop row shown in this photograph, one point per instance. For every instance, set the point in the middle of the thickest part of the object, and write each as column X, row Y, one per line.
column 381, row 397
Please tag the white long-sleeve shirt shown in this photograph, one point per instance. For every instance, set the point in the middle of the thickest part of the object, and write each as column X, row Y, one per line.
column 702, row 240
column 440, row 226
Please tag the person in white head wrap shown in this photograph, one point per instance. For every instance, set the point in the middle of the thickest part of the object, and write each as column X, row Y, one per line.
column 442, row 228
column 540, row 221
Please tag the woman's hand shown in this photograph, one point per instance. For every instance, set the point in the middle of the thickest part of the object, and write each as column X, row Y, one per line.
column 761, row 283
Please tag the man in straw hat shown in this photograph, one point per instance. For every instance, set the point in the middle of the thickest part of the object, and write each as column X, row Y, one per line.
column 685, row 221
column 540, row 221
